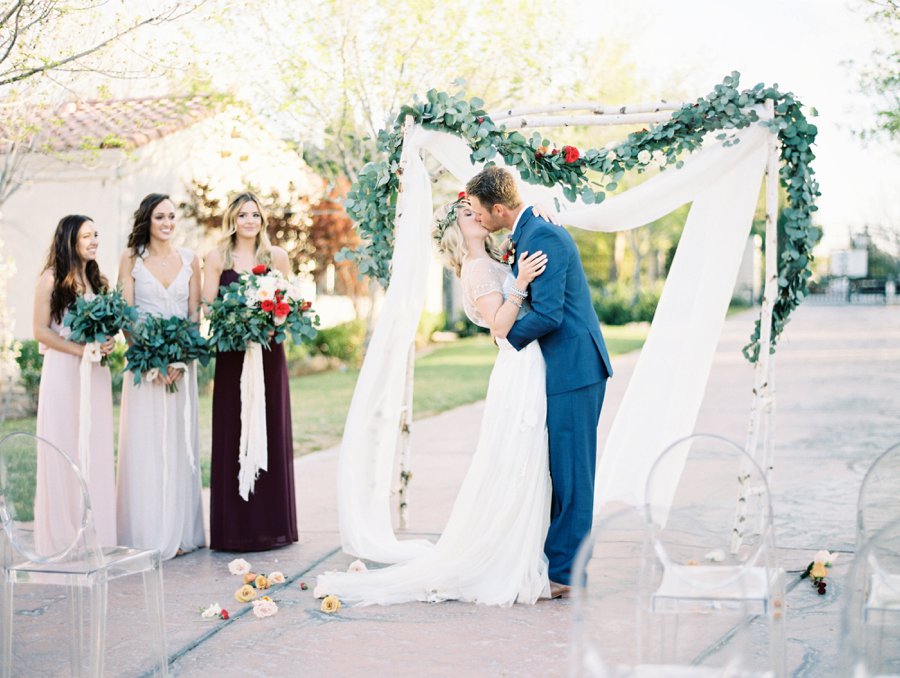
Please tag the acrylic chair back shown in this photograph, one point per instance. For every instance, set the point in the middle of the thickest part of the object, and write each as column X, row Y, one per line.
column 710, row 549
column 879, row 495
column 57, row 527
column 870, row 622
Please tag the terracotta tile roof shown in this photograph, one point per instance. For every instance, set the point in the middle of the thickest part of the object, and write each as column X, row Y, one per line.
column 114, row 123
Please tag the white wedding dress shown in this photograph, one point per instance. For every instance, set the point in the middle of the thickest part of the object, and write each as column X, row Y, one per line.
column 492, row 549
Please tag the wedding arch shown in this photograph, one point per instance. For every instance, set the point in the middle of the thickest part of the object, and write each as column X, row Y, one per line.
column 713, row 153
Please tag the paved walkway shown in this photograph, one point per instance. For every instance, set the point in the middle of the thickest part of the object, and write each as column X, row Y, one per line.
column 838, row 381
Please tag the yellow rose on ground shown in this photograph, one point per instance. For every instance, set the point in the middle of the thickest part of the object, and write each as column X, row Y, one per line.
column 245, row 594
column 249, row 578
column 262, row 582
column 330, row 604
column 818, row 571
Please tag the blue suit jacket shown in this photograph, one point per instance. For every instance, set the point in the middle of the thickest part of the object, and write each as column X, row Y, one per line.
column 562, row 318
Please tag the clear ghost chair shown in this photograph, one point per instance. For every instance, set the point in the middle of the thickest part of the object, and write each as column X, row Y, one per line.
column 870, row 620
column 74, row 561
column 710, row 562
column 879, row 495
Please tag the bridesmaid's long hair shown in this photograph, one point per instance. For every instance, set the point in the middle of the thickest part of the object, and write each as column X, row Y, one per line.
column 140, row 231
column 263, row 253
column 66, row 265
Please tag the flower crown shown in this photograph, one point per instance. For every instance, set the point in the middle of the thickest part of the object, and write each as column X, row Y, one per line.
column 450, row 217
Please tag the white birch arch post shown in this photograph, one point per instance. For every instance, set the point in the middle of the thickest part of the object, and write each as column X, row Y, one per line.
column 721, row 182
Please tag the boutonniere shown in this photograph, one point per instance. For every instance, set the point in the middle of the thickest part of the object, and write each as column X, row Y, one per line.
column 508, row 255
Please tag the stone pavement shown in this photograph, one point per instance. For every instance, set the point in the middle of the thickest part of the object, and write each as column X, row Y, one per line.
column 838, row 406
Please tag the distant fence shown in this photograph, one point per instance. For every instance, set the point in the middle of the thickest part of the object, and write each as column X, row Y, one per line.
column 866, row 291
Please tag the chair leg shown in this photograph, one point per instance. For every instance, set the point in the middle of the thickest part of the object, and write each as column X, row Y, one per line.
column 155, row 603
column 76, row 628
column 98, row 625
column 6, row 622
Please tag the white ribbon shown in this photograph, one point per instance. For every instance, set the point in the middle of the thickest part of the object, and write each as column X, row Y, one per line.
column 90, row 356
column 253, row 452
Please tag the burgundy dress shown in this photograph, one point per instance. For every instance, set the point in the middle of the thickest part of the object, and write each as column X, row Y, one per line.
column 269, row 519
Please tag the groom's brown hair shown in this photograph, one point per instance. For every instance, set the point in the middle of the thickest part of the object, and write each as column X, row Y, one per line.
column 494, row 186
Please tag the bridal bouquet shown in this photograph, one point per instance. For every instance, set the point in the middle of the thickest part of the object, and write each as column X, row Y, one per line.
column 92, row 320
column 160, row 342
column 261, row 306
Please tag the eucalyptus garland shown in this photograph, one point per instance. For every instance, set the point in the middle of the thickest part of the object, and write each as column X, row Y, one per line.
column 372, row 200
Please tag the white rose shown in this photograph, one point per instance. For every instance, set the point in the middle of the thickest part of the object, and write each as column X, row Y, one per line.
column 659, row 158
column 264, row 608
column 239, row 566
column 825, row 557
column 265, row 294
column 293, row 293
column 276, row 577
column 213, row 610
column 644, row 157
column 357, row 566
column 612, row 155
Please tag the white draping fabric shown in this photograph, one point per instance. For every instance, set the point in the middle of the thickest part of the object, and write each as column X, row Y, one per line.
column 664, row 395
column 253, row 450
column 90, row 356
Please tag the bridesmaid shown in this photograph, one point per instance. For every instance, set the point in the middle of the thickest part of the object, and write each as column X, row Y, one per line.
column 71, row 270
column 269, row 518
column 159, row 491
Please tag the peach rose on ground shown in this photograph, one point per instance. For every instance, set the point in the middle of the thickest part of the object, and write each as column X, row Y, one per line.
column 249, row 577
column 238, row 566
column 245, row 594
column 330, row 604
column 265, row 607
column 357, row 566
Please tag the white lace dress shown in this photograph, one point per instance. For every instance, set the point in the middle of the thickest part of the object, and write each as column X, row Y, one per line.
column 158, row 492
column 492, row 549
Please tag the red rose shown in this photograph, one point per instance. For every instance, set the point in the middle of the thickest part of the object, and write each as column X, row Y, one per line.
column 460, row 195
column 259, row 269
column 223, row 614
column 554, row 152
column 480, row 119
column 278, row 295
column 268, row 305
column 282, row 309
column 571, row 153
column 306, row 305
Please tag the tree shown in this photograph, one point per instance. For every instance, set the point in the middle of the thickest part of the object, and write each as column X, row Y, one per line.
column 332, row 230
column 881, row 78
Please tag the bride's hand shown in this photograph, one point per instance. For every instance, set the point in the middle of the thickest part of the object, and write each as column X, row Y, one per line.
column 530, row 267
column 545, row 213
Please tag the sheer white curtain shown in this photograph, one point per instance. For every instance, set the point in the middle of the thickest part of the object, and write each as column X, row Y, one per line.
column 664, row 395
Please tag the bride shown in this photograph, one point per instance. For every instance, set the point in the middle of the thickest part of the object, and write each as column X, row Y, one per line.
column 492, row 549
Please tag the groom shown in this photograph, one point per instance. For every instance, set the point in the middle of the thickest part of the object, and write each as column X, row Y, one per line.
column 564, row 323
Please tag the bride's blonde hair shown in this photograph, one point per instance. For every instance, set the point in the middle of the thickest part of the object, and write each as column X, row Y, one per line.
column 451, row 243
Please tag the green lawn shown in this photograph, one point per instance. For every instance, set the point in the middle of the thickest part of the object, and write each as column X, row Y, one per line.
column 446, row 376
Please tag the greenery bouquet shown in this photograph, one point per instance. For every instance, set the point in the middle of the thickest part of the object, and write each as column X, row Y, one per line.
column 159, row 342
column 93, row 320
